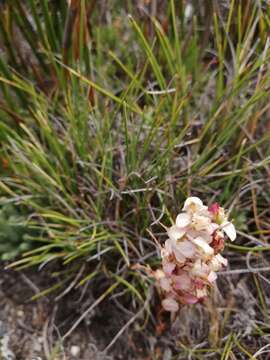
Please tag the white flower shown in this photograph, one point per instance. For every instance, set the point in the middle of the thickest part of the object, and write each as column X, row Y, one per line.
column 170, row 304
column 212, row 228
column 179, row 246
column 192, row 234
column 183, row 220
column 229, row 230
column 180, row 257
column 186, row 248
column 193, row 204
column 203, row 246
column 183, row 249
column 175, row 233
column 201, row 222
column 221, row 259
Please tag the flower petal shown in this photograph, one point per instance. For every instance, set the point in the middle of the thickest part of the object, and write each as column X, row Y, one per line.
column 165, row 284
column 214, row 208
column 170, row 304
column 211, row 228
column 159, row 274
column 217, row 262
column 199, row 283
column 168, row 267
column 179, row 256
column 221, row 260
column 202, row 244
column 193, row 202
column 167, row 249
column 212, row 277
column 199, row 268
column 186, row 248
column 200, row 222
column 201, row 293
column 189, row 299
column 214, row 264
column 175, row 233
column 182, row 282
column 183, row 220
column 229, row 230
column 204, row 234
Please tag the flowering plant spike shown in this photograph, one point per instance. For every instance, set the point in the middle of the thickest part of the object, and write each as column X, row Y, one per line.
column 191, row 254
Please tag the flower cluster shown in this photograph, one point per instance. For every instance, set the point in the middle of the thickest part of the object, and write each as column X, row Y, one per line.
column 191, row 255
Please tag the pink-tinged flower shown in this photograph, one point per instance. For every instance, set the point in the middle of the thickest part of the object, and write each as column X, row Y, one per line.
column 191, row 255
column 168, row 267
column 180, row 258
column 220, row 217
column 182, row 282
column 186, row 248
column 199, row 283
column 170, row 304
column 189, row 299
column 214, row 209
column 165, row 284
column 218, row 241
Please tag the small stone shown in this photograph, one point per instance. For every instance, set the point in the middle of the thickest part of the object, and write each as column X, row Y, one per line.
column 20, row 313
column 36, row 346
column 74, row 350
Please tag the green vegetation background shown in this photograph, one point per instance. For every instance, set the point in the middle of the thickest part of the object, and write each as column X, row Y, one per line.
column 111, row 114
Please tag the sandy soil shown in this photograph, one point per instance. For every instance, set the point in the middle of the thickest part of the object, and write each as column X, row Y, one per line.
column 32, row 330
